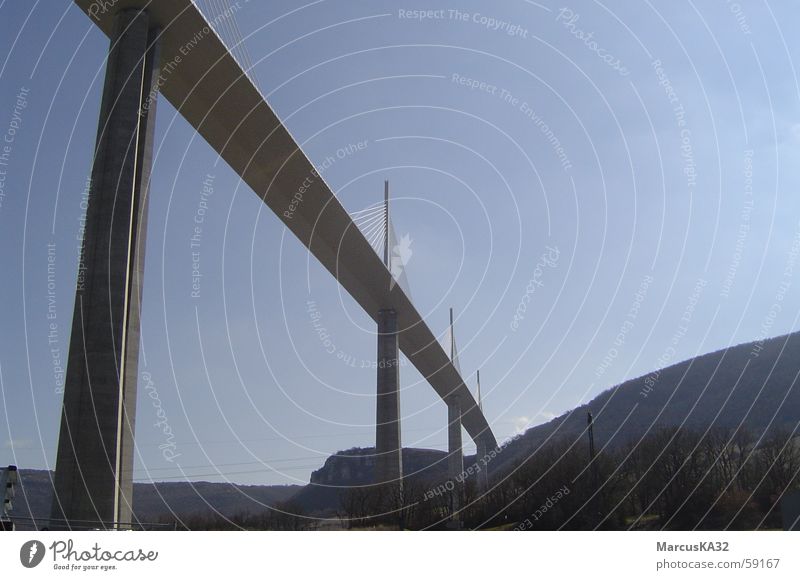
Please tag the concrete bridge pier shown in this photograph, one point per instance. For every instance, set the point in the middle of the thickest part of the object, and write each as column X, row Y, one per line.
column 482, row 461
column 388, row 446
column 455, row 460
column 93, row 477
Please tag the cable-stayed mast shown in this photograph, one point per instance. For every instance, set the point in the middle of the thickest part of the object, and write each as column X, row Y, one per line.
column 453, row 348
column 480, row 401
column 386, row 223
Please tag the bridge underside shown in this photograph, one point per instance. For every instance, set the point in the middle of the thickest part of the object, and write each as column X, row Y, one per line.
column 212, row 92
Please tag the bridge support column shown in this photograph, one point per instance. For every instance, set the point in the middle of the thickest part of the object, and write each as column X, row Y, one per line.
column 93, row 478
column 388, row 448
column 455, row 460
column 483, row 464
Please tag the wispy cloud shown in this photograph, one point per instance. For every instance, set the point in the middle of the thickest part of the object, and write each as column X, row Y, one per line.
column 524, row 422
column 521, row 424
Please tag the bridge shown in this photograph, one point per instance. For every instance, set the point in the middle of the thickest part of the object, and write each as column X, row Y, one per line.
column 168, row 48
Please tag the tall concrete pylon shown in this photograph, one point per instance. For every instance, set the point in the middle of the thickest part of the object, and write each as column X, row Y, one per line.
column 93, row 477
column 388, row 444
column 455, row 451
column 455, row 457
column 481, row 458
column 388, row 461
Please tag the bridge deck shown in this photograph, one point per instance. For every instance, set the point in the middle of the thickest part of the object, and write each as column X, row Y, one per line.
column 210, row 90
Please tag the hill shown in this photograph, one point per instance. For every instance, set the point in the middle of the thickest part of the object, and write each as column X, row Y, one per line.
column 753, row 385
column 355, row 467
column 153, row 501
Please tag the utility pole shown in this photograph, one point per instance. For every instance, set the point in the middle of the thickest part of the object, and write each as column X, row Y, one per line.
column 593, row 465
column 8, row 482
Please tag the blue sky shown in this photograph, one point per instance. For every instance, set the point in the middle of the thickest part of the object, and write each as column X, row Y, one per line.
column 629, row 176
